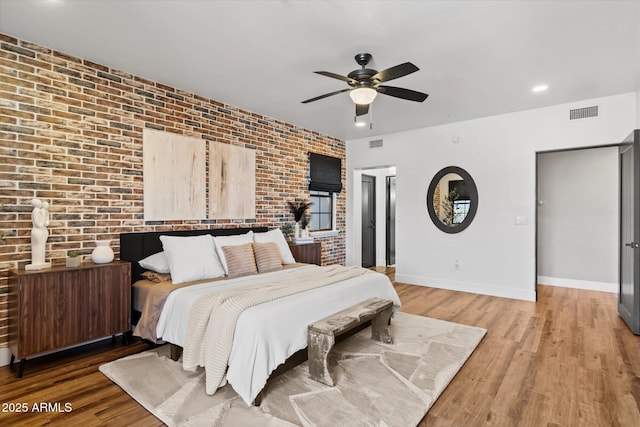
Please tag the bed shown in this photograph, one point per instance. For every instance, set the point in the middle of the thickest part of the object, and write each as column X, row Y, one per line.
column 264, row 335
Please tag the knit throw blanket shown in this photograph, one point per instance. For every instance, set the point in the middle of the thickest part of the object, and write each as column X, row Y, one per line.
column 212, row 320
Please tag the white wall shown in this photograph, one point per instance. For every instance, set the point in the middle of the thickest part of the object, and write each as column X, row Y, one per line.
column 496, row 257
column 578, row 211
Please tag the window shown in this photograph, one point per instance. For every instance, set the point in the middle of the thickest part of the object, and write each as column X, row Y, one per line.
column 322, row 211
column 461, row 200
column 325, row 181
column 460, row 210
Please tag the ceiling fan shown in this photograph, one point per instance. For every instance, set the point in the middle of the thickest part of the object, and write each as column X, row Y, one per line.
column 365, row 84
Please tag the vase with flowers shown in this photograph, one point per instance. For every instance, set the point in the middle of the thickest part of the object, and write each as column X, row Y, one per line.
column 298, row 209
column 304, row 226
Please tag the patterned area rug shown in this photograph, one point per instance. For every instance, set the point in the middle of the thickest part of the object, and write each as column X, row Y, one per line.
column 376, row 384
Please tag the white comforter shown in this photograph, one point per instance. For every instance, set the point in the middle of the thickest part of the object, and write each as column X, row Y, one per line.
column 267, row 334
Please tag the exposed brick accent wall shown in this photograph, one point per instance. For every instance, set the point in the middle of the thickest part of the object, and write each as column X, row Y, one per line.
column 71, row 134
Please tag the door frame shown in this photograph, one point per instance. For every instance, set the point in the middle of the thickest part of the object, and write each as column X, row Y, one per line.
column 372, row 211
column 536, row 225
column 390, row 226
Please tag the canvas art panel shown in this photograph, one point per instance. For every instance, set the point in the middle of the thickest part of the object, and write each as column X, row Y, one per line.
column 232, row 182
column 174, row 176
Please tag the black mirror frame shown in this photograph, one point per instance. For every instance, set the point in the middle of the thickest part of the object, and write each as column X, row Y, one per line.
column 473, row 195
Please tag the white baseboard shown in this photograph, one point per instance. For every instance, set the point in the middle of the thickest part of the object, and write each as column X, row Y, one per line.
column 474, row 288
column 579, row 284
column 5, row 356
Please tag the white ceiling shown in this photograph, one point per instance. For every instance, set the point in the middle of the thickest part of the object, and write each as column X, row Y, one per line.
column 476, row 58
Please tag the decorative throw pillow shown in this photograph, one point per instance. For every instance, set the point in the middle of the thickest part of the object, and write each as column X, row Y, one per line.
column 191, row 258
column 240, row 260
column 276, row 237
column 222, row 241
column 268, row 257
column 156, row 277
column 156, row 262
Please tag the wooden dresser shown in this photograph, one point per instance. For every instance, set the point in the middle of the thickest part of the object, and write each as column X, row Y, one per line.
column 59, row 307
column 310, row 253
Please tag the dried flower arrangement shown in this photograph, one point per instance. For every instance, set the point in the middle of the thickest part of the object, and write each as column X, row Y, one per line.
column 298, row 209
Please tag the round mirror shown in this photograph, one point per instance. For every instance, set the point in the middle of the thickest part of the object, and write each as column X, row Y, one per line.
column 452, row 199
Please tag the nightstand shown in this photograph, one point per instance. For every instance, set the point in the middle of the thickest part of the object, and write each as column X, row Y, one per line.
column 59, row 307
column 310, row 253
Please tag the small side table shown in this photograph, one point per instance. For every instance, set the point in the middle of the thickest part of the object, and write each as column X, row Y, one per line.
column 309, row 253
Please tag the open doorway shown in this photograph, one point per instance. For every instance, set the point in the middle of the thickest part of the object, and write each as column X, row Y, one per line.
column 578, row 218
column 391, row 221
column 374, row 229
column 368, row 209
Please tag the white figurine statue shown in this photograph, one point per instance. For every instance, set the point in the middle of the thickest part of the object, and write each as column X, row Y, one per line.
column 39, row 235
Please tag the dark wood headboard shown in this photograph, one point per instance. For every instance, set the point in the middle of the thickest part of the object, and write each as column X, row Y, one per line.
column 137, row 246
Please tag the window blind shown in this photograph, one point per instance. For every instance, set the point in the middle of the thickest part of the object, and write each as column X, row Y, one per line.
column 325, row 173
column 460, row 188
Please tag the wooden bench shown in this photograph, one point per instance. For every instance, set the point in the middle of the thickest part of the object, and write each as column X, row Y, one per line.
column 321, row 335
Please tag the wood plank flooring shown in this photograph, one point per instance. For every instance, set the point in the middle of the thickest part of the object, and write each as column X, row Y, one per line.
column 566, row 360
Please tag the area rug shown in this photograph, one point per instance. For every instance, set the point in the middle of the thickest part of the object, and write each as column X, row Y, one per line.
column 377, row 384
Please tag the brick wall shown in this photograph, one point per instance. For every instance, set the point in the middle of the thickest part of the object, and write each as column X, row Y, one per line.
column 71, row 134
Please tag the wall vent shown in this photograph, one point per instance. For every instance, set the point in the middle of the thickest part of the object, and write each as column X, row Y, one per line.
column 375, row 144
column 583, row 113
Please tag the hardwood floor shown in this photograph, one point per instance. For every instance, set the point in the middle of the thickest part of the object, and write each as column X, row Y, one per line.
column 566, row 360
column 71, row 377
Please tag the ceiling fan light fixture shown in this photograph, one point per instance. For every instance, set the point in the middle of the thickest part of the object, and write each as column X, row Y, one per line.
column 363, row 95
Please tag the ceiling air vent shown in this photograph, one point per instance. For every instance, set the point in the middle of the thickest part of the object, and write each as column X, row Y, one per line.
column 583, row 113
column 375, row 144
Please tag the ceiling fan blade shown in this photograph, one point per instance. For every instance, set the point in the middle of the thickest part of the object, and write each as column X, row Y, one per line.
column 395, row 72
column 325, row 95
column 402, row 93
column 337, row 76
column 362, row 109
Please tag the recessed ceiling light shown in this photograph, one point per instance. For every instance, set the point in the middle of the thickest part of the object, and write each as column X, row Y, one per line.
column 539, row 88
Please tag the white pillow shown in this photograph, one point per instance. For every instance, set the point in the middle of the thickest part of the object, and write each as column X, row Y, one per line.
column 156, row 262
column 236, row 239
column 191, row 258
column 276, row 237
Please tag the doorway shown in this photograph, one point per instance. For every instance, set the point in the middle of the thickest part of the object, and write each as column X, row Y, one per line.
column 577, row 218
column 368, row 220
column 391, row 221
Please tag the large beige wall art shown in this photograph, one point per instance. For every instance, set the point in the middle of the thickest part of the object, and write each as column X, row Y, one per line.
column 232, row 182
column 174, row 176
